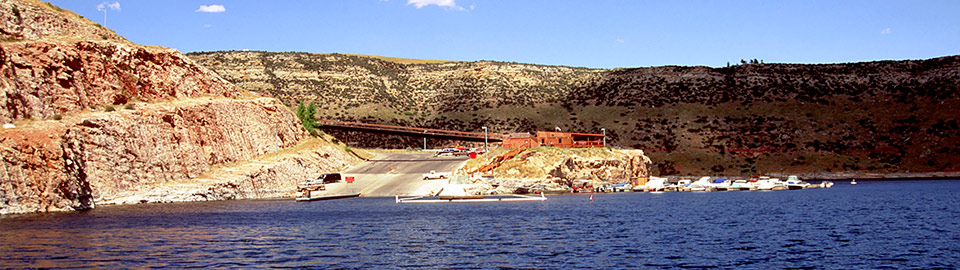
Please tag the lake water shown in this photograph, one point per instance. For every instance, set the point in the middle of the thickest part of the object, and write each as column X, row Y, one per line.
column 876, row 224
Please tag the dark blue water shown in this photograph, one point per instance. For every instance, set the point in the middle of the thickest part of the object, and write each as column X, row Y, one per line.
column 876, row 224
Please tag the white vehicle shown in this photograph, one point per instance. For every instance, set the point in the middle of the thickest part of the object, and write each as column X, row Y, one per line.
column 435, row 175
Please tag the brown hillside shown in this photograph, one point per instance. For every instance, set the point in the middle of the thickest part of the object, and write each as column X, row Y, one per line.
column 885, row 116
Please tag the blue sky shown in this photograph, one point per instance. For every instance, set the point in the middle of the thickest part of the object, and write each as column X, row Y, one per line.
column 600, row 34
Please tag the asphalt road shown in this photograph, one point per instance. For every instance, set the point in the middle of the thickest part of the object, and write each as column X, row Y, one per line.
column 391, row 174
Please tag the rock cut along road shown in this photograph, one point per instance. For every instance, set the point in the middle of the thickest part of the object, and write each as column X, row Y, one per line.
column 390, row 174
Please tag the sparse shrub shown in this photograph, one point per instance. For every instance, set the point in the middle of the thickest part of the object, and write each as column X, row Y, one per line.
column 108, row 108
column 128, row 106
column 57, row 117
column 104, row 36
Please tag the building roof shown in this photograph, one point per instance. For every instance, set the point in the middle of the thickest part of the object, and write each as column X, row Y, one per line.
column 574, row 133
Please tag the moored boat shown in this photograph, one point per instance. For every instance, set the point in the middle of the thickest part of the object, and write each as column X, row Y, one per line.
column 656, row 184
column 720, row 184
column 794, row 182
column 767, row 183
column 742, row 185
column 703, row 184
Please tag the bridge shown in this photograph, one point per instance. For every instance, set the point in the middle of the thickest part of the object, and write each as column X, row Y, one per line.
column 411, row 131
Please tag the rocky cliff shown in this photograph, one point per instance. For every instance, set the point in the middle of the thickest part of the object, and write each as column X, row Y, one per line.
column 556, row 169
column 96, row 119
column 873, row 117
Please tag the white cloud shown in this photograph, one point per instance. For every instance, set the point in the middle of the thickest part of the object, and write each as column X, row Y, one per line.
column 207, row 25
column 211, row 9
column 886, row 31
column 111, row 6
column 620, row 41
column 439, row 3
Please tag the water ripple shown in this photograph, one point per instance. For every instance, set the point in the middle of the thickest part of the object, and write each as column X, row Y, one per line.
column 873, row 225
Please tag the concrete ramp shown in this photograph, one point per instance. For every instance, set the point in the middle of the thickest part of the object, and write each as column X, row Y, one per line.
column 391, row 174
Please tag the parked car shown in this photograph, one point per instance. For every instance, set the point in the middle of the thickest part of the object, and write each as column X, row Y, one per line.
column 447, row 152
column 435, row 175
column 330, row 178
column 319, row 182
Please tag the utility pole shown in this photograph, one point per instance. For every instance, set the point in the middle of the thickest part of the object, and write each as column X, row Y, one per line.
column 485, row 147
column 424, row 140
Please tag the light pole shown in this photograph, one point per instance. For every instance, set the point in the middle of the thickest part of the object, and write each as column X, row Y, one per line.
column 604, row 130
column 424, row 140
column 104, row 15
column 485, row 148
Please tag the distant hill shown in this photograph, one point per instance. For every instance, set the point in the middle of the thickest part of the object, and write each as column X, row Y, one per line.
column 884, row 116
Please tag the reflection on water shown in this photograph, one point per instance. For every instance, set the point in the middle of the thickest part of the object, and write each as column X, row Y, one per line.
column 871, row 225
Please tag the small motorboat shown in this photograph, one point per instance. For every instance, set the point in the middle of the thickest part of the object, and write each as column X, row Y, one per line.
column 720, row 184
column 741, row 185
column 793, row 182
column 853, row 182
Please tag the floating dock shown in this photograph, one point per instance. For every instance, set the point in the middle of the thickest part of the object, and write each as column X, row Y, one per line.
column 327, row 197
column 468, row 199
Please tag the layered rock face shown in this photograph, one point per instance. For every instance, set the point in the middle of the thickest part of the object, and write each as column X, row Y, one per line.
column 41, row 79
column 872, row 117
column 100, row 120
column 558, row 169
column 75, row 163
column 340, row 80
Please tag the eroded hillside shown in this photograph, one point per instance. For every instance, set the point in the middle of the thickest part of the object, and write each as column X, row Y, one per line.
column 91, row 118
column 886, row 116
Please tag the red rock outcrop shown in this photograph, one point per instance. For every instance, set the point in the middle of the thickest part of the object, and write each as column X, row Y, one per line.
column 41, row 79
column 174, row 120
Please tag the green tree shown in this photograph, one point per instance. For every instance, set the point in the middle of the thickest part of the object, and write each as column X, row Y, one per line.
column 307, row 116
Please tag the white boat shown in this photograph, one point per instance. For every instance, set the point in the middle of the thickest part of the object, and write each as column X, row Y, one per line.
column 720, row 184
column 767, row 183
column 853, row 182
column 703, row 184
column 740, row 185
column 793, row 182
column 656, row 184
column 682, row 185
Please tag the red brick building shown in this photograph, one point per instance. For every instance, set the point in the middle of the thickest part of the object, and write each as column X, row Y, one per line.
column 551, row 138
